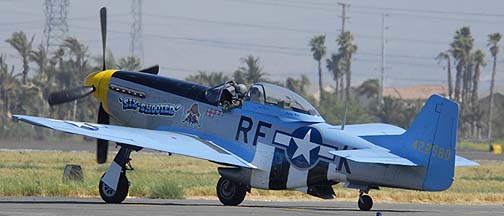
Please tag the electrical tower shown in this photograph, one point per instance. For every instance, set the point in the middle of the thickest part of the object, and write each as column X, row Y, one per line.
column 343, row 16
column 136, row 47
column 56, row 26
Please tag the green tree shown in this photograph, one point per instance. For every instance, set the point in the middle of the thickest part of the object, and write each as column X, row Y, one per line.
column 8, row 84
column 346, row 50
column 332, row 65
column 252, row 72
column 129, row 63
column 493, row 43
column 208, row 79
column 461, row 49
column 39, row 56
column 318, row 50
column 479, row 61
column 298, row 85
column 369, row 88
column 445, row 55
column 23, row 46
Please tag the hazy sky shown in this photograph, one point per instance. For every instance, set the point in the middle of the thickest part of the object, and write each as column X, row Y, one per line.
column 190, row 35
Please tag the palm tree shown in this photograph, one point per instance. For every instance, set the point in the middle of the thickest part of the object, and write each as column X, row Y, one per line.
column 129, row 63
column 42, row 80
column 298, row 85
column 333, row 66
column 446, row 55
column 318, row 50
column 8, row 83
column 493, row 43
column 39, row 56
column 475, row 117
column 76, row 48
column 252, row 72
column 479, row 61
column 23, row 46
column 461, row 49
column 346, row 50
column 208, row 79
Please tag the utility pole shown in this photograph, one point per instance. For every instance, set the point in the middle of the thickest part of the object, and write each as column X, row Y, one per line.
column 343, row 16
column 136, row 46
column 56, row 26
column 382, row 68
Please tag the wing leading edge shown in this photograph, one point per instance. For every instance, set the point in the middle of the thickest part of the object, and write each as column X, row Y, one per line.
column 166, row 141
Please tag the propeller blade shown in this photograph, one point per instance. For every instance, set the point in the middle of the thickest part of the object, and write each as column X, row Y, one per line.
column 103, row 22
column 102, row 145
column 69, row 94
column 151, row 70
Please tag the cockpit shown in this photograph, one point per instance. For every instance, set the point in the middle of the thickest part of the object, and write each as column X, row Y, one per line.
column 230, row 95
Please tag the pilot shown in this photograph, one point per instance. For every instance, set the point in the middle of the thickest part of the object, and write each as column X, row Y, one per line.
column 255, row 94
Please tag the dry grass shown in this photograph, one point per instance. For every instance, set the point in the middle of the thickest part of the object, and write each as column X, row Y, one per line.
column 160, row 176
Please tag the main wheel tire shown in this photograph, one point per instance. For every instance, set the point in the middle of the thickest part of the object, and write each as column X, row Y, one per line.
column 365, row 203
column 230, row 193
column 109, row 195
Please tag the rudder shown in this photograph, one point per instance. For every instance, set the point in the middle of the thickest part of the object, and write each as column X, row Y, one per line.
column 431, row 141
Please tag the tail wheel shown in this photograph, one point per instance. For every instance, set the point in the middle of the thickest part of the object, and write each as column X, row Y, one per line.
column 230, row 193
column 365, row 202
column 109, row 195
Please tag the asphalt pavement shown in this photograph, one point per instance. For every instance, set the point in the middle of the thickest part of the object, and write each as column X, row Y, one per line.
column 93, row 206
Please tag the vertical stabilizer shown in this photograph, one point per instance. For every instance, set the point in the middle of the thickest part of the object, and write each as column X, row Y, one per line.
column 431, row 140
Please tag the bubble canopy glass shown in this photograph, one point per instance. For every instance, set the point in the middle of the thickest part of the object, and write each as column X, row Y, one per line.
column 283, row 98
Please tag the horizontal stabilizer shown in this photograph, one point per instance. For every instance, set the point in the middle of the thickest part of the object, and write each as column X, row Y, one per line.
column 373, row 156
column 167, row 141
column 461, row 161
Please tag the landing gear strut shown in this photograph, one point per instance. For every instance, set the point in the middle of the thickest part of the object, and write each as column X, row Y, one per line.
column 230, row 193
column 365, row 202
column 114, row 184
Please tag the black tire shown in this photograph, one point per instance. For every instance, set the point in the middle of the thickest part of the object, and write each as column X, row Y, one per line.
column 230, row 193
column 110, row 196
column 365, row 203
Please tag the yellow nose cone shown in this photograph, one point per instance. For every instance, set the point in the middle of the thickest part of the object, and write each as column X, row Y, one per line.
column 100, row 81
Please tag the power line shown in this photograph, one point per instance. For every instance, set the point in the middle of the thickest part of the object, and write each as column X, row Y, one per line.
column 293, row 51
column 237, row 24
column 296, row 30
column 389, row 9
column 376, row 10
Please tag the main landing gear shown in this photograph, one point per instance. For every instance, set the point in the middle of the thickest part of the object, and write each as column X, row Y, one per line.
column 114, row 184
column 230, row 193
column 365, row 202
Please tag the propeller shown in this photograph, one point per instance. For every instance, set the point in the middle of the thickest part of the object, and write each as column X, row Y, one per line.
column 72, row 94
column 68, row 95
column 103, row 117
column 102, row 145
column 103, row 24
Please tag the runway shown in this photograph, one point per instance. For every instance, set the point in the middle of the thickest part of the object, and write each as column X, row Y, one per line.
column 93, row 206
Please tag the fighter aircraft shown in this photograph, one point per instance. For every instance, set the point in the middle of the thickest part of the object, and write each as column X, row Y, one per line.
column 263, row 136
